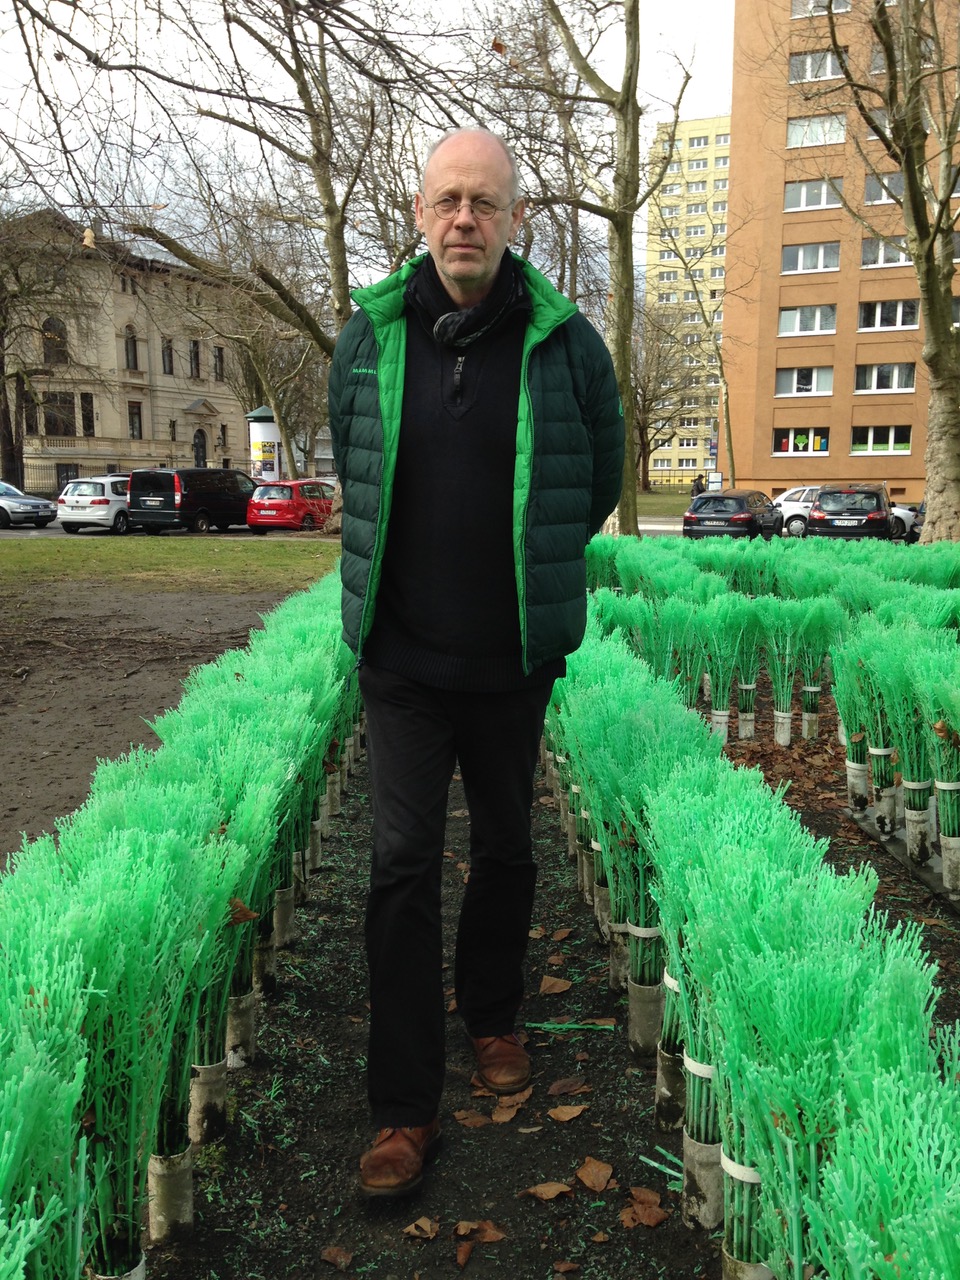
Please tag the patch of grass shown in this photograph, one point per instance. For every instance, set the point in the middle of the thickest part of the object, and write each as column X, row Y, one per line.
column 663, row 502
column 172, row 563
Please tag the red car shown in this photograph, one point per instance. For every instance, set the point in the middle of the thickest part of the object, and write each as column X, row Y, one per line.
column 290, row 504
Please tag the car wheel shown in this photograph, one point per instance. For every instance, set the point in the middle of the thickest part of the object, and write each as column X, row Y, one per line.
column 897, row 527
column 42, row 524
column 70, row 528
column 221, row 528
column 308, row 523
column 121, row 523
column 259, row 532
column 201, row 523
column 795, row 527
column 154, row 529
column 5, row 521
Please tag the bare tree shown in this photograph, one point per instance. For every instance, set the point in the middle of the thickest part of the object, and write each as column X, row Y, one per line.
column 897, row 67
column 657, row 378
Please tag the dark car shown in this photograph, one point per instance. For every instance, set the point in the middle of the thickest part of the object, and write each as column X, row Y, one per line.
column 738, row 513
column 194, row 498
column 851, row 511
column 290, row 504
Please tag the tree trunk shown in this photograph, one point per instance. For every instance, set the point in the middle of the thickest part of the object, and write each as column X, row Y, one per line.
column 942, row 460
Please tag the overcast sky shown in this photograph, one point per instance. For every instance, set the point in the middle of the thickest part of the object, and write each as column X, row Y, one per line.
column 700, row 33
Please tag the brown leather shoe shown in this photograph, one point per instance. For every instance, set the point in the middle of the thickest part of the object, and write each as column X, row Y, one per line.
column 394, row 1164
column 503, row 1064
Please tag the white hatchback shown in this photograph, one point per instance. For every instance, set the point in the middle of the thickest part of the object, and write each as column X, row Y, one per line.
column 94, row 502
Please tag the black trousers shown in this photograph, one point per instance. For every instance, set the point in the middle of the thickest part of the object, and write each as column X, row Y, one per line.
column 415, row 737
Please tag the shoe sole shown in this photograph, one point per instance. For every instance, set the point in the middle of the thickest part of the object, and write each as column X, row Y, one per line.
column 405, row 1188
column 517, row 1087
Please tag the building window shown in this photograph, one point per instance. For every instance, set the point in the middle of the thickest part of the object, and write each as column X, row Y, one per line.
column 880, row 124
column 688, row 442
column 54, row 341
column 674, row 166
column 86, row 414
column 820, row 193
column 722, row 162
column 801, row 440
column 691, row 339
column 218, row 364
column 695, row 188
column 717, row 273
column 172, row 425
column 719, row 206
column 904, row 314
column 166, row 354
column 222, row 437
column 721, row 184
column 718, row 251
column 59, row 414
column 699, row 230
column 822, row 65
column 797, row 259
column 687, row 464
column 880, row 440
column 722, row 140
column 693, row 209
column 696, row 273
column 719, row 228
column 891, row 252
column 194, row 358
column 666, row 298
column 670, row 189
column 662, row 464
column 135, row 419
column 131, row 356
column 693, row 165
column 812, row 319
column 886, row 188
column 701, row 140
column 691, row 317
column 815, row 381
column 670, row 211
column 668, row 255
column 815, row 131
column 665, row 277
column 128, row 284
column 809, row 8
column 885, row 377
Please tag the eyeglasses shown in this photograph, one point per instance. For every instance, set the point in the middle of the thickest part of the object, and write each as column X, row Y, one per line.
column 483, row 210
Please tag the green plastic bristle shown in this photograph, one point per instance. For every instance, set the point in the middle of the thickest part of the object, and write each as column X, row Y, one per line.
column 727, row 621
column 782, row 623
column 850, row 693
column 600, row 556
column 936, row 680
column 823, row 626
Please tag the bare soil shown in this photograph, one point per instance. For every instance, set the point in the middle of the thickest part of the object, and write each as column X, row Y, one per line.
column 277, row 1199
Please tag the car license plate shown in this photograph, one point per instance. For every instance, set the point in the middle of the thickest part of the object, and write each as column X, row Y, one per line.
column 847, row 523
column 151, row 502
column 715, row 524
column 264, row 511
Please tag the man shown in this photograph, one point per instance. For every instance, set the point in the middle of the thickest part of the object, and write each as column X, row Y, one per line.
column 478, row 436
column 698, row 486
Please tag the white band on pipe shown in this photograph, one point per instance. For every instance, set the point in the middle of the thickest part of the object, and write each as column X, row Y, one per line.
column 917, row 786
column 701, row 1069
column 574, row 788
column 595, row 846
column 618, row 926
column 585, row 814
column 636, row 931
column 670, row 982
column 881, row 751
column 811, row 688
column 947, row 786
column 747, row 686
column 742, row 1172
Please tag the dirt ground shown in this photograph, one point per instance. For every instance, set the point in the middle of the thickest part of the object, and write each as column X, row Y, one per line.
column 278, row 1198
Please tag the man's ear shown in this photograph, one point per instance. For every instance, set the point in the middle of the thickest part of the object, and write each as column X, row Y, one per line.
column 418, row 208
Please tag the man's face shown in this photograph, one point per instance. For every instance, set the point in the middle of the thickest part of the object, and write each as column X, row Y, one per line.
column 467, row 251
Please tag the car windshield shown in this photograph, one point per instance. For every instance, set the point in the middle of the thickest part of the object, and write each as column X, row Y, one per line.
column 9, row 491
column 833, row 503
column 273, row 491
column 85, row 489
column 715, row 505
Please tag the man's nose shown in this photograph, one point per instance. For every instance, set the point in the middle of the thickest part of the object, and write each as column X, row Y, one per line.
column 464, row 215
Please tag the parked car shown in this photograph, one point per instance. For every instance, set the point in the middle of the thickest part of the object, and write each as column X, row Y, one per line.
column 194, row 498
column 17, row 507
column 915, row 530
column 94, row 502
column 290, row 504
column 739, row 513
column 796, row 503
column 851, row 511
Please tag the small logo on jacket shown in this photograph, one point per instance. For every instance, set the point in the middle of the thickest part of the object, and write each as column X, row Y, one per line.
column 362, row 369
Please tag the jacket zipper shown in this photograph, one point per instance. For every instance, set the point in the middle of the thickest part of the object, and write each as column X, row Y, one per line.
column 458, row 378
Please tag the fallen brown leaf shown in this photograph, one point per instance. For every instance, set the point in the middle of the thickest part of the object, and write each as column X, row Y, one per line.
column 599, row 1022
column 557, row 958
column 483, row 1231
column 644, row 1209
column 337, row 1257
column 595, row 1174
column 423, row 1229
column 464, row 1250
column 459, row 813
column 240, row 913
column 554, row 986
column 548, row 1190
column 563, row 1268
column 471, row 1119
column 565, row 1113
column 508, row 1105
column 558, row 935
column 537, row 931
column 600, row 1238
column 569, row 1084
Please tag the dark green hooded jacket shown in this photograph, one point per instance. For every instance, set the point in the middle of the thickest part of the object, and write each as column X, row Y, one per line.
column 568, row 471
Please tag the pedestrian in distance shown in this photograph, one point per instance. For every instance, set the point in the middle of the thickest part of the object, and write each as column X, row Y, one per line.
column 478, row 435
column 698, row 486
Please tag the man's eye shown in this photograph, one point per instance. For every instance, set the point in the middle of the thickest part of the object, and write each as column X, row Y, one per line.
column 445, row 207
column 484, row 208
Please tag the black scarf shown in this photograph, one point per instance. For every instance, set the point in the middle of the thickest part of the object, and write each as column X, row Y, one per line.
column 426, row 294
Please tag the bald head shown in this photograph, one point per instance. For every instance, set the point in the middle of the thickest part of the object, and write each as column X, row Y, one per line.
column 478, row 134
